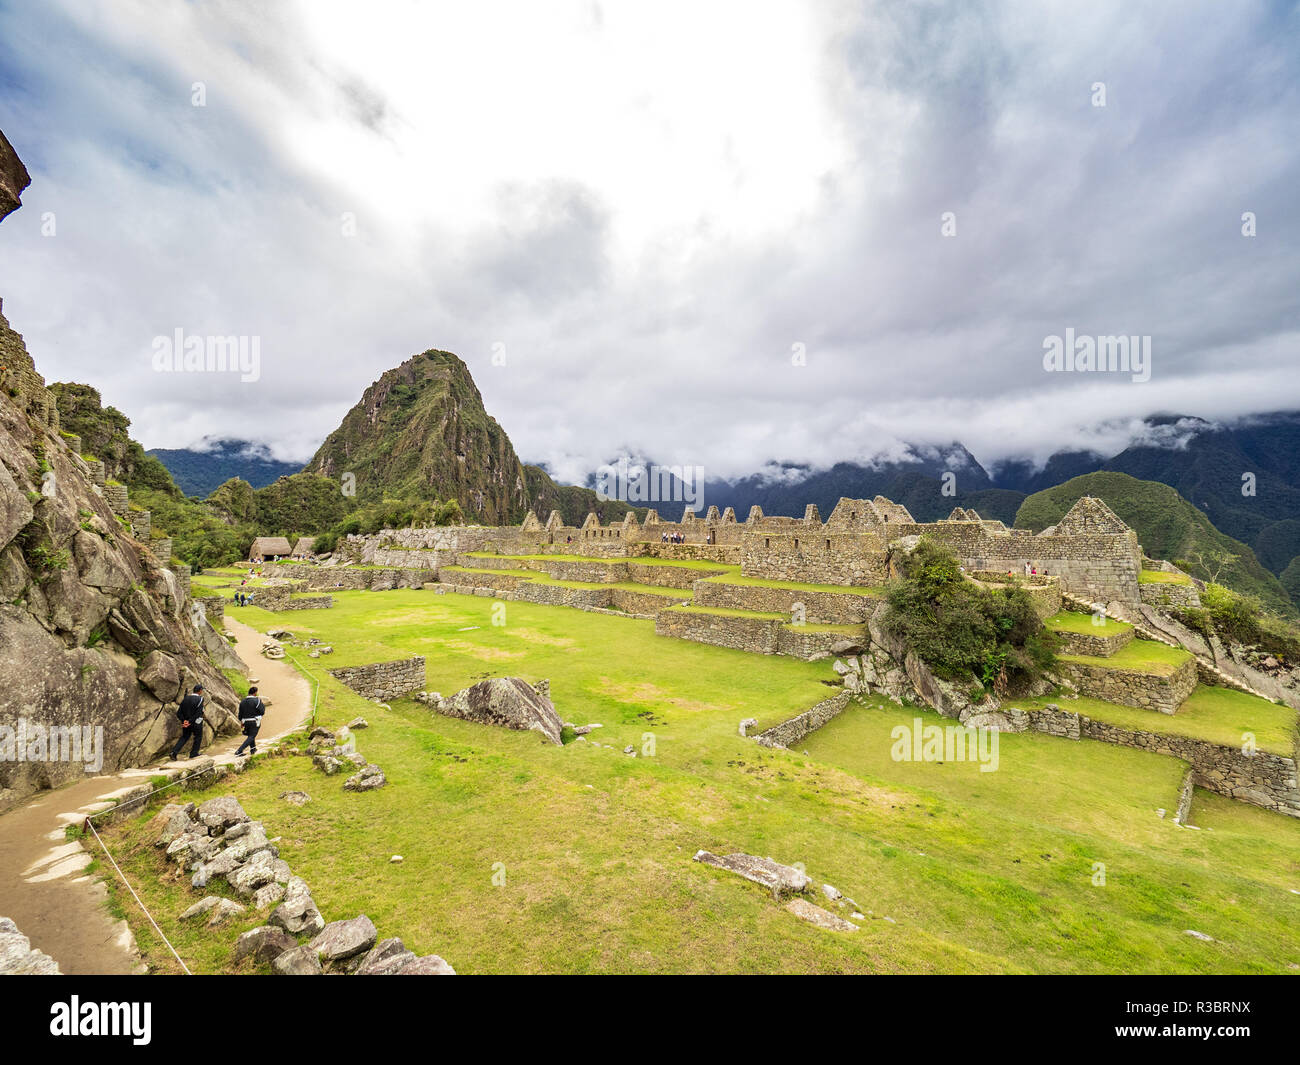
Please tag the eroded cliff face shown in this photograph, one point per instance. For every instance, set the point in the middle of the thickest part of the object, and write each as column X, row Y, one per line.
column 95, row 631
column 13, row 178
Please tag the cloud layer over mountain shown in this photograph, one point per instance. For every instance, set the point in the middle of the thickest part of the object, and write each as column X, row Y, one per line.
column 711, row 234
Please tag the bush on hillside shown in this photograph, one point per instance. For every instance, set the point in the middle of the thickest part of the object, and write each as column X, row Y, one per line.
column 1240, row 619
column 965, row 632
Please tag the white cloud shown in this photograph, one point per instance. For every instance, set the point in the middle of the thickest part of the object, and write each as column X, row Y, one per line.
column 649, row 205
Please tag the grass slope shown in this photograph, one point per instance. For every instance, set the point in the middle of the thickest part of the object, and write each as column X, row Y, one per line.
column 978, row 872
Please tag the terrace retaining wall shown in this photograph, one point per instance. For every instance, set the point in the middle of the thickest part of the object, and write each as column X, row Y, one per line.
column 797, row 728
column 1145, row 691
column 384, row 680
column 1261, row 779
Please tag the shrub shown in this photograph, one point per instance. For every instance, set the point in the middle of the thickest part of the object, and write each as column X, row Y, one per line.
column 965, row 632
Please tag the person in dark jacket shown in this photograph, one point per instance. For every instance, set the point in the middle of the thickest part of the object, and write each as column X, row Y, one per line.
column 251, row 709
column 190, row 715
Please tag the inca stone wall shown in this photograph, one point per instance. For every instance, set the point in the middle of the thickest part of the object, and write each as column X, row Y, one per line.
column 757, row 635
column 1262, row 779
column 1094, row 645
column 1090, row 550
column 667, row 576
column 811, row 643
column 1145, row 691
column 1168, row 596
column 816, row 556
column 797, row 728
column 829, row 608
column 384, row 680
column 643, row 602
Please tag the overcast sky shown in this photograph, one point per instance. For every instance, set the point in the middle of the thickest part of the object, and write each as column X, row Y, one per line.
column 707, row 232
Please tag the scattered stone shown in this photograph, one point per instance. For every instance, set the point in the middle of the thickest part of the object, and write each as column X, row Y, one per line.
column 831, row 893
column 368, row 779
column 172, row 820
column 746, row 725
column 340, row 940
column 222, row 812
column 223, row 911
column 386, row 957
column 1198, row 935
column 429, row 965
column 327, row 764
column 858, row 916
column 267, row 896
column 300, row 961
column 396, row 859
column 629, row 749
column 358, row 723
column 295, row 798
column 264, row 944
column 319, row 733
column 778, row 878
column 821, row 918
column 297, row 913
column 201, row 907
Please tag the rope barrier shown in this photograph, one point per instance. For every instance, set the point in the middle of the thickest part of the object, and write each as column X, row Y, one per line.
column 138, row 901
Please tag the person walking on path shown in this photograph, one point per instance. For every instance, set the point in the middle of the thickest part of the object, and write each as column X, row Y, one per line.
column 251, row 709
column 190, row 715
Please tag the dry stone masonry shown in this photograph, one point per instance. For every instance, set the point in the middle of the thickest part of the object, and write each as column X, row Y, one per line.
column 384, row 680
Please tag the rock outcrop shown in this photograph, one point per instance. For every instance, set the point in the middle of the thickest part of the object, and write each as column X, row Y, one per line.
column 17, row 958
column 779, row 879
column 505, row 701
column 96, row 630
column 13, row 178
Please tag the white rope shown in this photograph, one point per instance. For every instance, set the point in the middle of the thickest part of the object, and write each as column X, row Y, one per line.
column 137, row 899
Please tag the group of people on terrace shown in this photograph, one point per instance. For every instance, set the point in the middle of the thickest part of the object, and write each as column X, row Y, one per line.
column 673, row 538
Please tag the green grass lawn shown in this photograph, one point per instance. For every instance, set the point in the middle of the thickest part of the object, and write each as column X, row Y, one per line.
column 1085, row 624
column 978, row 872
column 1219, row 715
column 1138, row 656
column 1158, row 576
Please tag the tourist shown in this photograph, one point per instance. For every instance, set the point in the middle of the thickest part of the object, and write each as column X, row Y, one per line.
column 251, row 709
column 190, row 714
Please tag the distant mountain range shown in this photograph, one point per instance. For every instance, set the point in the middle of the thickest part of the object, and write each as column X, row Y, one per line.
column 200, row 471
column 1244, row 478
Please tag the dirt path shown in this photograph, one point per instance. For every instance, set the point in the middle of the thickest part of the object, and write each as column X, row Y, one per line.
column 42, row 887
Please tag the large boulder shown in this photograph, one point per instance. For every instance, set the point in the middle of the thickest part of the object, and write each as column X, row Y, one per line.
column 508, row 702
column 159, row 673
column 340, row 940
column 780, row 879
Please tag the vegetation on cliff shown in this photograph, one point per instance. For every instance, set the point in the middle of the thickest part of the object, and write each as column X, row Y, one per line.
column 965, row 632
